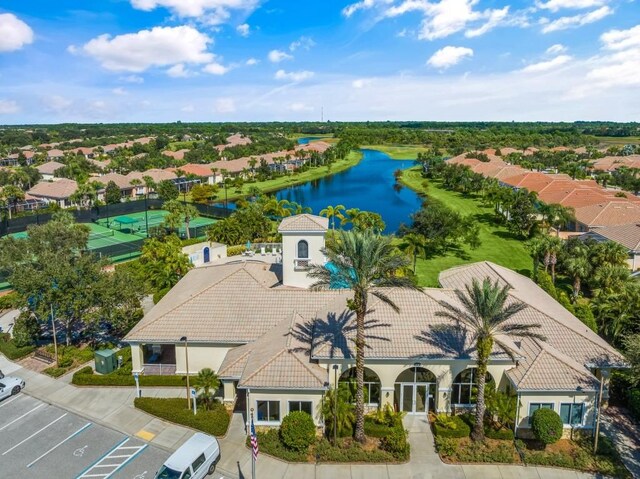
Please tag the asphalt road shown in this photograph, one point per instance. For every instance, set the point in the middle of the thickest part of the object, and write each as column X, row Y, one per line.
column 38, row 440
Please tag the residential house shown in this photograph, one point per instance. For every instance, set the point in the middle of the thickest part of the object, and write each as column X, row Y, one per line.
column 627, row 235
column 201, row 171
column 55, row 154
column 176, row 155
column 278, row 346
column 48, row 169
column 59, row 191
column 14, row 158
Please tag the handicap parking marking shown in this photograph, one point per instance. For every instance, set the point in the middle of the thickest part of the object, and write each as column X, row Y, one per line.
column 68, row 438
column 34, row 434
column 113, row 460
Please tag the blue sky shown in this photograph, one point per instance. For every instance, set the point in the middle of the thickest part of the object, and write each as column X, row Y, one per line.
column 263, row 60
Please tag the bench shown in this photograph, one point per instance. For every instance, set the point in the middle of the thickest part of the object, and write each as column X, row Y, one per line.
column 43, row 355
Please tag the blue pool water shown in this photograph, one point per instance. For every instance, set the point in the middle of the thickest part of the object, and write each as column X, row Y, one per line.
column 370, row 185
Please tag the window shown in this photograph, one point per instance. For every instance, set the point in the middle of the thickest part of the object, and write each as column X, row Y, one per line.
column 305, row 406
column 371, row 385
column 303, row 249
column 464, row 387
column 572, row 413
column 268, row 411
column 198, row 462
column 186, row 474
column 534, row 406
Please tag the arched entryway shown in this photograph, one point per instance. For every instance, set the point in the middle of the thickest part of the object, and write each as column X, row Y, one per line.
column 207, row 254
column 371, row 385
column 415, row 391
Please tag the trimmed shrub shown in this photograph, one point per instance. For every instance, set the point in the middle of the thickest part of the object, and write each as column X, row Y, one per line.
column 451, row 426
column 350, row 451
column 236, row 250
column 10, row 350
column 396, row 443
column 271, row 443
column 55, row 372
column 484, row 452
column 500, row 434
column 546, row 425
column 446, row 446
column 86, row 377
column 372, row 428
column 214, row 421
column 544, row 281
column 298, row 431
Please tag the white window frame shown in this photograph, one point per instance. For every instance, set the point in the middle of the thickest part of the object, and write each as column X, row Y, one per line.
column 259, row 421
column 571, row 406
column 299, row 401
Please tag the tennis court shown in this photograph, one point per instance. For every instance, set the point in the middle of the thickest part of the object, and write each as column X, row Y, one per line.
column 137, row 223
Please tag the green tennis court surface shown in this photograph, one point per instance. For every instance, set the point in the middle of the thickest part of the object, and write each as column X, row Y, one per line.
column 101, row 236
column 137, row 223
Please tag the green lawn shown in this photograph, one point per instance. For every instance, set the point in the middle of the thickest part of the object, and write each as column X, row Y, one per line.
column 399, row 152
column 291, row 180
column 498, row 244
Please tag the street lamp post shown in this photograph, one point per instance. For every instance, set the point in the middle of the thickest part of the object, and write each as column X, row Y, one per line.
column 335, row 404
column 186, row 355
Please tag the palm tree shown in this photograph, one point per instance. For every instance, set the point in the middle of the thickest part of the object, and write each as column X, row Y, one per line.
column 279, row 208
column 178, row 213
column 336, row 410
column 578, row 268
column 365, row 262
column 556, row 216
column 610, row 253
column 487, row 315
column 414, row 244
column 333, row 212
column 207, row 383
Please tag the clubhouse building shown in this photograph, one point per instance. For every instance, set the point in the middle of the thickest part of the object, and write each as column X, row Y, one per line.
column 278, row 346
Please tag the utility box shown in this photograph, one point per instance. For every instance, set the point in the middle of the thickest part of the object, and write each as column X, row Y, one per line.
column 106, row 361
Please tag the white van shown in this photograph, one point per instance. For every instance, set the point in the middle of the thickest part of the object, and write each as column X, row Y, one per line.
column 195, row 459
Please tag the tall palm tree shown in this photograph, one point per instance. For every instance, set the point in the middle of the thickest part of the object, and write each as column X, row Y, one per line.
column 366, row 262
column 207, row 383
column 333, row 212
column 578, row 268
column 413, row 244
column 556, row 216
column 485, row 313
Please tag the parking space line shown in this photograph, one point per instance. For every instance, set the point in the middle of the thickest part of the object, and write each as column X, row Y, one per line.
column 10, row 401
column 105, row 461
column 18, row 418
column 61, row 443
column 142, row 448
column 104, row 456
column 34, row 434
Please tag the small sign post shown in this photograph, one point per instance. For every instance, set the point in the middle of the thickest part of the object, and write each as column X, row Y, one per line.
column 136, row 376
column 193, row 395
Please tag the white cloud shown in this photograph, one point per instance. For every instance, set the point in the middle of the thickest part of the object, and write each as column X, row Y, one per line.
column 178, row 71
column 361, row 83
column 448, row 56
column 119, row 91
column 213, row 12
column 555, row 5
column 303, row 42
column 361, row 5
column 576, row 21
column 160, row 46
column 621, row 39
column 225, row 105
column 243, row 30
column 299, row 106
column 276, row 56
column 252, row 61
column 132, row 79
column 293, row 76
column 7, row 107
column 556, row 49
column 496, row 18
column 215, row 68
column 547, row 65
column 14, row 33
column 57, row 103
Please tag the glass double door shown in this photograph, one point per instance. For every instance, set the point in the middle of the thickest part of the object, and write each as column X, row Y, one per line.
column 413, row 398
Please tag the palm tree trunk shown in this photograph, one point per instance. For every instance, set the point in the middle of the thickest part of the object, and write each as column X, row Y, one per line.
column 415, row 260
column 359, row 429
column 576, row 287
column 484, row 350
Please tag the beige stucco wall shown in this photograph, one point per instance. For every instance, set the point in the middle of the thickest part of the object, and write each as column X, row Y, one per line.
column 196, row 252
column 290, row 275
column 557, row 398
column 136, row 357
column 200, row 356
column 283, row 397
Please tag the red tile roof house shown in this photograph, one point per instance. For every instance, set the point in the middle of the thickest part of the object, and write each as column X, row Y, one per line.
column 88, row 153
column 58, row 191
column 274, row 343
column 55, row 154
column 14, row 158
column 176, row 155
column 48, row 169
column 202, row 171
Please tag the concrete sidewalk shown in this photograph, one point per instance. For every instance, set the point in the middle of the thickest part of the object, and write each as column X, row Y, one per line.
column 113, row 407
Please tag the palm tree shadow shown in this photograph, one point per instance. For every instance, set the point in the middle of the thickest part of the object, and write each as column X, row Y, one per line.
column 453, row 340
column 336, row 331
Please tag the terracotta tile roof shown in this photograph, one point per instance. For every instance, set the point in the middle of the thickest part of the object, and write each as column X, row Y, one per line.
column 194, row 169
column 176, row 155
column 82, row 151
column 156, row 174
column 55, row 153
column 49, row 168
column 532, row 181
column 122, row 181
column 609, row 213
column 304, row 223
column 627, row 235
column 59, row 190
column 611, row 163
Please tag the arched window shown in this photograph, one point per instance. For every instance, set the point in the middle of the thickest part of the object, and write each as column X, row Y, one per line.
column 464, row 387
column 371, row 384
column 303, row 249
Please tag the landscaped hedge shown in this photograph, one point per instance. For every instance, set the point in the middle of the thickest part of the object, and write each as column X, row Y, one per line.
column 236, row 250
column 271, row 443
column 10, row 350
column 452, row 426
column 298, row 431
column 372, row 428
column 501, row 434
column 86, row 377
column 214, row 422
column 546, row 425
column 348, row 450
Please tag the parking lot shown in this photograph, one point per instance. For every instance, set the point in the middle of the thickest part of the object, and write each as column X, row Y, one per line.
column 43, row 441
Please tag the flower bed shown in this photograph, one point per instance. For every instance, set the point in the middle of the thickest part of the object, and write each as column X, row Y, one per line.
column 215, row 421
column 69, row 357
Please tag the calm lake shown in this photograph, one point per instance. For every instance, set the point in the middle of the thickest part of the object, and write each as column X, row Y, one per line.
column 370, row 185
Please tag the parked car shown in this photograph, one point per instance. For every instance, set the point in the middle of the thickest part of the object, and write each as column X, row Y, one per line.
column 10, row 386
column 195, row 459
